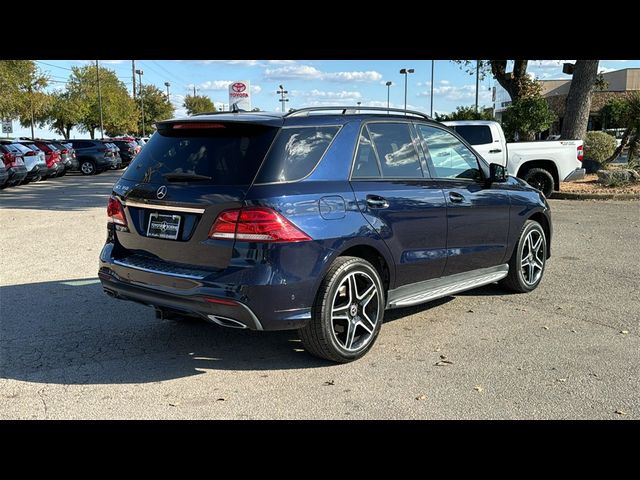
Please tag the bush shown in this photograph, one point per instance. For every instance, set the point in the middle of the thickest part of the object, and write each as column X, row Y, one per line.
column 599, row 146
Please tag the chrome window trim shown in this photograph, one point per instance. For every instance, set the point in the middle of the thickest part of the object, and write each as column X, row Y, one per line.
column 154, row 206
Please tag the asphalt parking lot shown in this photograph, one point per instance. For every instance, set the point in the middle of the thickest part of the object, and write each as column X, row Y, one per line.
column 69, row 351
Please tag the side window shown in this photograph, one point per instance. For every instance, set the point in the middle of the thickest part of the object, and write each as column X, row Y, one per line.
column 393, row 144
column 366, row 164
column 449, row 157
column 475, row 134
column 295, row 153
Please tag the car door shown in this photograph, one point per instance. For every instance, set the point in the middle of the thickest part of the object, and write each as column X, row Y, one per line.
column 485, row 140
column 391, row 184
column 477, row 213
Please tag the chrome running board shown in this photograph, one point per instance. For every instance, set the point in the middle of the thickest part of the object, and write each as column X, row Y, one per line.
column 428, row 290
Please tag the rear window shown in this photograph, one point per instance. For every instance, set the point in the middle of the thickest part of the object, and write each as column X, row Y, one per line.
column 474, row 134
column 295, row 153
column 228, row 156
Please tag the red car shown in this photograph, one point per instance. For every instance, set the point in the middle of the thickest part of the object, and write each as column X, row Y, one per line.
column 53, row 157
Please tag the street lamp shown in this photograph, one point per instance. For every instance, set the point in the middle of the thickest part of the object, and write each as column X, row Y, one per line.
column 359, row 103
column 282, row 92
column 405, row 72
column 140, row 73
column 167, row 84
column 388, row 84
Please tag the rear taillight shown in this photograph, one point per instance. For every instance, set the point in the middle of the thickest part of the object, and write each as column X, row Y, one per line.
column 580, row 152
column 115, row 211
column 9, row 159
column 64, row 151
column 30, row 153
column 255, row 224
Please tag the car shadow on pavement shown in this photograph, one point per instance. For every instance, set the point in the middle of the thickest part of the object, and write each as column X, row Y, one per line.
column 68, row 193
column 70, row 332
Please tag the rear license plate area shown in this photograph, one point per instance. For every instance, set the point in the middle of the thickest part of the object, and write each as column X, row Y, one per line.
column 164, row 226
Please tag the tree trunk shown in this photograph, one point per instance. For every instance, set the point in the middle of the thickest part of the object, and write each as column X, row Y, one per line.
column 67, row 132
column 623, row 144
column 512, row 81
column 576, row 115
column 91, row 133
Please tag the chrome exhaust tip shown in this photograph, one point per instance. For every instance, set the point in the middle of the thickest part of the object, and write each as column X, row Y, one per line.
column 226, row 322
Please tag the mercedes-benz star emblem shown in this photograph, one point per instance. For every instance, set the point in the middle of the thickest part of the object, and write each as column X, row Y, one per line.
column 162, row 192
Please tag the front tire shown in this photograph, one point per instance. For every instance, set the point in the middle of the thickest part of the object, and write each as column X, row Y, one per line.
column 541, row 179
column 87, row 167
column 529, row 259
column 348, row 312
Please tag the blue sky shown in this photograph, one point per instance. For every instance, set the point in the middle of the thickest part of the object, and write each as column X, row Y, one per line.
column 312, row 82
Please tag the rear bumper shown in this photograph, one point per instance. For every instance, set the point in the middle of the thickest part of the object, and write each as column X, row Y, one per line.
column 577, row 174
column 16, row 174
column 263, row 306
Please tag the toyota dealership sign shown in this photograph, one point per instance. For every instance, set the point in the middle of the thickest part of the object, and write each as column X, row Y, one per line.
column 240, row 94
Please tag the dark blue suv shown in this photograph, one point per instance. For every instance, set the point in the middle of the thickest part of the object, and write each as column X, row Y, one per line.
column 318, row 220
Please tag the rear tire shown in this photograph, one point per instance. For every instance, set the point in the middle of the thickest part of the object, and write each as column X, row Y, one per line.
column 528, row 260
column 87, row 167
column 541, row 179
column 348, row 312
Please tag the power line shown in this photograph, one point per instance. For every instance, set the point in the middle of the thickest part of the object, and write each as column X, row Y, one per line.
column 174, row 75
column 52, row 65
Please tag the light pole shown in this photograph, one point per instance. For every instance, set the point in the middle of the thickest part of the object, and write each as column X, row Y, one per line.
column 359, row 103
column 388, row 84
column 477, row 82
column 167, row 84
column 140, row 73
column 406, row 72
column 282, row 92
column 99, row 101
column 432, row 65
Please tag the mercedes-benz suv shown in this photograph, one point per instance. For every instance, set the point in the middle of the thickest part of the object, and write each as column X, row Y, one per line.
column 317, row 220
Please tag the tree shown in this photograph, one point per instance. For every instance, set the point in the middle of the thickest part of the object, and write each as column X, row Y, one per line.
column 156, row 107
column 576, row 115
column 65, row 112
column 614, row 112
column 631, row 136
column 22, row 86
column 118, row 109
column 526, row 117
column 198, row 104
column 465, row 113
column 517, row 83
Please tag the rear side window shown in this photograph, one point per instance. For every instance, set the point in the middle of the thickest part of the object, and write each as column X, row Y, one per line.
column 295, row 153
column 394, row 146
column 474, row 134
column 229, row 155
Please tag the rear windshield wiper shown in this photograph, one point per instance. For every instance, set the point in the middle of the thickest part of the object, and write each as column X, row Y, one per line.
column 184, row 176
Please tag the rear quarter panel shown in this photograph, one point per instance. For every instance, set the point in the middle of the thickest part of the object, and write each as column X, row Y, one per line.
column 563, row 153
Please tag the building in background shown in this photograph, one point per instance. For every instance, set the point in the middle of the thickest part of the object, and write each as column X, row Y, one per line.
column 619, row 83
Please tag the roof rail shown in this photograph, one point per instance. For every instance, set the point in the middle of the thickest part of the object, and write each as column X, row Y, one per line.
column 212, row 113
column 357, row 108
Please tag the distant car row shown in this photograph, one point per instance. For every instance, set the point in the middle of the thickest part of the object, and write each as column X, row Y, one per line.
column 25, row 160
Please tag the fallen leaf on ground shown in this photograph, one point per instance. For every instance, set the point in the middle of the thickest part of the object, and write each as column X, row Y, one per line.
column 443, row 363
column 174, row 404
column 545, row 327
column 562, row 380
column 220, row 399
column 624, row 332
column 443, row 357
column 421, row 397
column 478, row 388
column 620, row 412
column 329, row 382
column 573, row 330
column 469, row 311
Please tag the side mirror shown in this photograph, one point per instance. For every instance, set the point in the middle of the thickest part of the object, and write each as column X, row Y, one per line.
column 497, row 173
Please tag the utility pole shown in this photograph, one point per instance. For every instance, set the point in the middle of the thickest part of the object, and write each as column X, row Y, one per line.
column 133, row 74
column 388, row 84
column 477, row 82
column 31, row 99
column 99, row 101
column 431, row 96
column 283, row 99
column 194, row 90
column 167, row 84
column 140, row 72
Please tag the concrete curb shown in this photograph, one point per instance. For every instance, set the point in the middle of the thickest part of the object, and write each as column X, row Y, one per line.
column 594, row 196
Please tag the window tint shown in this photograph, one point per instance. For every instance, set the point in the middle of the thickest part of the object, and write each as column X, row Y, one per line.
column 449, row 157
column 295, row 153
column 474, row 134
column 366, row 164
column 398, row 157
column 229, row 155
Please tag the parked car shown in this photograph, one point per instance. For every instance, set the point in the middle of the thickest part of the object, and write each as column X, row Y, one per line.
column 116, row 154
column 34, row 160
column 14, row 165
column 52, row 156
column 4, row 176
column 128, row 150
column 43, row 171
column 93, row 156
column 67, row 155
column 542, row 164
column 271, row 222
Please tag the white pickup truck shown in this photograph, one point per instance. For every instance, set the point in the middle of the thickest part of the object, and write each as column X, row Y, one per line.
column 542, row 164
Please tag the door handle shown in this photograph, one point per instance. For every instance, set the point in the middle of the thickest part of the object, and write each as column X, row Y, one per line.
column 375, row 201
column 496, row 150
column 456, row 197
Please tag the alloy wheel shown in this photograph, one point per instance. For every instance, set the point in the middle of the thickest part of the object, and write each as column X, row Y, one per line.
column 532, row 257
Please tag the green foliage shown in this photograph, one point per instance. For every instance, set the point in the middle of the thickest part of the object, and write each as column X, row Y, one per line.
column 198, row 104
column 614, row 112
column 118, row 109
column 526, row 117
column 63, row 113
column 466, row 113
column 599, row 146
column 156, row 107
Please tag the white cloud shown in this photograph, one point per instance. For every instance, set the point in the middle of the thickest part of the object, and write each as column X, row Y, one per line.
column 256, row 89
column 445, row 82
column 465, row 92
column 214, row 85
column 319, row 94
column 307, row 72
column 281, row 62
column 246, row 63
column 606, row 70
